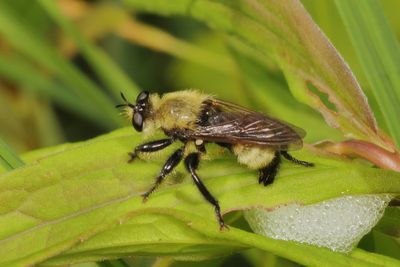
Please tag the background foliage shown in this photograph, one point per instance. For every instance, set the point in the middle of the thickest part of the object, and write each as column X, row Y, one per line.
column 63, row 64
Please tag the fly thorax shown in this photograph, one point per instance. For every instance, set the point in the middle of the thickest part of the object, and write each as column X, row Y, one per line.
column 177, row 114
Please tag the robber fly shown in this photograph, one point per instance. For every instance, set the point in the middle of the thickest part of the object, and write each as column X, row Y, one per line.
column 194, row 119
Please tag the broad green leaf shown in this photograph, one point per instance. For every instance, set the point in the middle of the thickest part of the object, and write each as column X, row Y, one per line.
column 82, row 202
column 39, row 50
column 379, row 54
column 8, row 159
column 284, row 31
column 106, row 69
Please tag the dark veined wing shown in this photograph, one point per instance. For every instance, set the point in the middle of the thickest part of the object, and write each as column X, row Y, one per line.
column 228, row 123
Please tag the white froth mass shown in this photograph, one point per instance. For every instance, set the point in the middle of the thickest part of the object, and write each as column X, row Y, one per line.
column 337, row 224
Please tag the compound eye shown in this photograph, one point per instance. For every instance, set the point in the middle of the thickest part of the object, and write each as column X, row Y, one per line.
column 137, row 122
column 142, row 97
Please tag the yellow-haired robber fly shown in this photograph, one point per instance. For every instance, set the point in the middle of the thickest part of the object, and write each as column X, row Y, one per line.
column 191, row 117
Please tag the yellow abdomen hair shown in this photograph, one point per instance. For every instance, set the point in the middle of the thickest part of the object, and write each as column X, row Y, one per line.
column 252, row 156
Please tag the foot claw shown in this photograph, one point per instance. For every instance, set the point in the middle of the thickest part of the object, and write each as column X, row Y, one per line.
column 268, row 180
column 132, row 155
column 147, row 194
column 145, row 197
column 223, row 227
column 260, row 177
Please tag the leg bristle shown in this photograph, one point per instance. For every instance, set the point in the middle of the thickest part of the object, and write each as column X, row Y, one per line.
column 289, row 157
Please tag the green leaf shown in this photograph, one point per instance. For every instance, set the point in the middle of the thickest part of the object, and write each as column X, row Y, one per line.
column 285, row 32
column 390, row 223
column 386, row 234
column 106, row 69
column 78, row 202
column 8, row 159
column 379, row 54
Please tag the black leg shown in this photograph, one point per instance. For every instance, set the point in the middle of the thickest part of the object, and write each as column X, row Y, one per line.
column 289, row 157
column 191, row 163
column 171, row 163
column 268, row 173
column 151, row 147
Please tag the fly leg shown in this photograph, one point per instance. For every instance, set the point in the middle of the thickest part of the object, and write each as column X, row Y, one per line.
column 191, row 163
column 268, row 173
column 150, row 147
column 200, row 146
column 169, row 165
column 289, row 157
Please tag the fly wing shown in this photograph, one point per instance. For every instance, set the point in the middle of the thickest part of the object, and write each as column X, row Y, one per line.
column 227, row 123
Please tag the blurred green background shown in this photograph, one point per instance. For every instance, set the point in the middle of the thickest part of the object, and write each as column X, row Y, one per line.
column 61, row 77
column 61, row 71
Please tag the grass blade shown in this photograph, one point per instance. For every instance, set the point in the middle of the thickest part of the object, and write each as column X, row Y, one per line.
column 379, row 54
column 28, row 77
column 159, row 40
column 106, row 69
column 8, row 159
column 37, row 49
